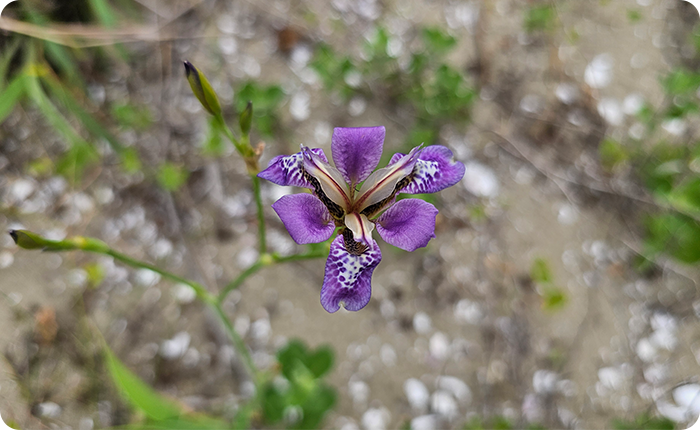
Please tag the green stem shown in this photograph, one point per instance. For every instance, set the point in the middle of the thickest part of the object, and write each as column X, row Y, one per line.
column 238, row 344
column 266, row 260
column 261, row 214
column 205, row 296
column 239, row 280
column 202, row 293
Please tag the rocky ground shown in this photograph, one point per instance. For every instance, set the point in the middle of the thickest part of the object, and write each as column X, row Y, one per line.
column 454, row 331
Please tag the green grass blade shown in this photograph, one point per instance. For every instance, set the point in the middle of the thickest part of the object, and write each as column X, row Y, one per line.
column 10, row 96
column 138, row 393
column 103, row 12
column 73, row 105
column 5, row 61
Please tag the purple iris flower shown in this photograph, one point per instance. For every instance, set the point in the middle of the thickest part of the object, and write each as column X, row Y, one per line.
column 356, row 198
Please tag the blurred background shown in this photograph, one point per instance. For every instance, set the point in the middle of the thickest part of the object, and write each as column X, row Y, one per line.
column 560, row 291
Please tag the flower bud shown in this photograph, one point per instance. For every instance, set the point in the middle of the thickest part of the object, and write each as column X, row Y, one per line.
column 202, row 89
column 246, row 118
column 28, row 240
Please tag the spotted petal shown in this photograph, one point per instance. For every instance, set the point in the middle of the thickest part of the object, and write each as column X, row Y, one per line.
column 286, row 170
column 409, row 224
column 348, row 278
column 435, row 170
column 306, row 218
column 356, row 151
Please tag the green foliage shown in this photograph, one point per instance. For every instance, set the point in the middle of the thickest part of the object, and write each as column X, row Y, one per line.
column 612, row 154
column 435, row 92
column 161, row 412
column 539, row 272
column 540, row 18
column 644, row 422
column 553, row 297
column 301, row 397
column 634, row 15
column 171, row 176
column 131, row 116
column 438, row 41
column 265, row 99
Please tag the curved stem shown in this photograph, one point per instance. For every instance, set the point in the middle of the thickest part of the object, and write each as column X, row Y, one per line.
column 239, row 280
column 202, row 293
column 261, row 214
column 266, row 260
column 238, row 343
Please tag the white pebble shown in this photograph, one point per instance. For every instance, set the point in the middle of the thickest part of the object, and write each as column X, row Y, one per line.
column 175, row 347
column 468, row 311
column 480, row 180
column 439, row 346
column 459, row 389
column 424, row 422
column 417, row 394
column 388, row 355
column 48, row 410
column 632, row 104
column 611, row 377
column 376, row 419
column 611, row 111
column 300, row 105
column 183, row 293
column 566, row 93
column 422, row 323
column 544, row 381
column 599, row 72
column 6, row 259
column 444, row 404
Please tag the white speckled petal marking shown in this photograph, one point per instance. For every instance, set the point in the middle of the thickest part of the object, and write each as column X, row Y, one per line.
column 348, row 278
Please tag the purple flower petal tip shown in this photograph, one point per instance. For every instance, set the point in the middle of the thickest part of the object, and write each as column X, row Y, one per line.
column 409, row 224
column 348, row 278
column 356, row 151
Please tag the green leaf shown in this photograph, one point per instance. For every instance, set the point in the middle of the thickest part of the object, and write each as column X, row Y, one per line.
column 6, row 60
column 131, row 163
column 634, row 16
column 681, row 81
column 437, row 41
column 138, row 393
column 295, row 353
column 171, row 176
column 539, row 18
column 315, row 407
column 10, row 96
column 553, row 298
column 612, row 154
column 644, row 422
column 686, row 196
column 132, row 116
column 104, row 13
column 539, row 272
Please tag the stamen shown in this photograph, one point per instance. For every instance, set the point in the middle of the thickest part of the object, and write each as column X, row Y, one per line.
column 374, row 209
column 336, row 211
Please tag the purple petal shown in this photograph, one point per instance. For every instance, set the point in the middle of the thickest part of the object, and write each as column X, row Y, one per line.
column 356, row 151
column 287, row 169
column 348, row 278
column 409, row 224
column 435, row 170
column 306, row 218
